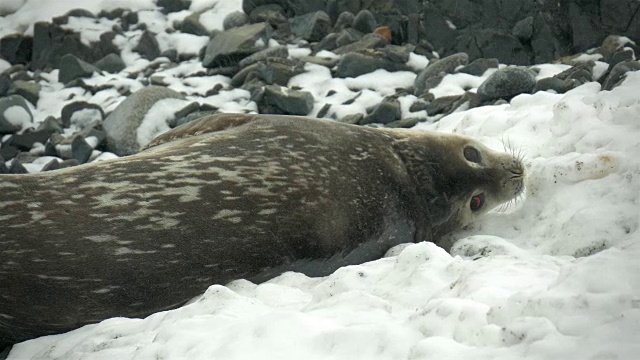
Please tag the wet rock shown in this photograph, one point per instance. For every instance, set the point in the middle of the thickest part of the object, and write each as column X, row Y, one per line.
column 231, row 46
column 16, row 48
column 433, row 74
column 72, row 68
column 122, row 124
column 506, row 83
column 365, row 22
column 311, row 27
column 479, row 66
column 148, row 46
column 387, row 111
column 14, row 114
column 287, row 101
column 112, row 63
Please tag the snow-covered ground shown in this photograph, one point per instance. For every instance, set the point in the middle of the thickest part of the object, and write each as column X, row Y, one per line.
column 555, row 277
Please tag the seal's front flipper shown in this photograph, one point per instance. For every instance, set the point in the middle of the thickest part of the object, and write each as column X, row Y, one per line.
column 204, row 125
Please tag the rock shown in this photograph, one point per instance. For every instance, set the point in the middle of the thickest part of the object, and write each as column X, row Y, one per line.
column 112, row 63
column 398, row 54
column 17, row 168
column 51, row 165
column 365, row 22
column 369, row 41
column 523, row 30
column 273, row 14
column 26, row 140
column 29, row 90
column 3, row 170
column 231, row 46
column 51, row 125
column 192, row 25
column 328, row 62
column 352, row 119
column 8, row 152
column 385, row 32
column 355, row 64
column 611, row 45
column 171, row 54
column 582, row 72
column 433, row 74
column 337, row 7
column 323, row 111
column 80, row 150
column 5, row 83
column 122, row 124
column 479, row 66
column 448, row 104
column 14, row 114
column 81, row 113
column 385, row 112
column 235, row 19
column 413, row 28
column 170, row 6
column 290, row 7
column 557, row 85
column 616, row 75
column 51, row 43
column 311, row 27
column 272, row 52
column 345, row 20
column 622, row 55
column 405, row 123
column 72, row 68
column 287, row 101
column 16, row 48
column 493, row 43
column 148, row 46
column 506, row 83
column 546, row 45
column 279, row 71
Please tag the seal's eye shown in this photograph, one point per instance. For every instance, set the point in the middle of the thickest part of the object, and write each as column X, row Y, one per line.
column 477, row 201
column 472, row 154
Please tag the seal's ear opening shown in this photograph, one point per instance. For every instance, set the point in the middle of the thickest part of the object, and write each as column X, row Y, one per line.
column 477, row 202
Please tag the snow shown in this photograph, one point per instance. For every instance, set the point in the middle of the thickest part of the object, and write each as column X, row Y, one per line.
column 555, row 276
column 157, row 119
column 17, row 116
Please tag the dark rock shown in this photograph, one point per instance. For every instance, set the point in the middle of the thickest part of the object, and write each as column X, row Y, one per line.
column 51, row 165
column 337, row 7
column 81, row 150
column 26, row 140
column 16, row 48
column 328, row 62
column 622, row 55
column 495, row 44
column 194, row 116
column 51, row 43
column 192, row 25
column 582, row 73
column 8, row 152
column 346, row 37
column 479, row 66
column 231, row 46
column 279, row 71
column 112, row 63
column 329, row 43
column 365, row 22
column 345, row 20
column 73, row 68
column 405, row 123
column 506, row 83
column 387, row 111
column 14, row 114
column 148, row 46
column 311, row 27
column 171, row 54
column 352, row 119
column 413, row 28
column 433, row 74
column 323, row 110
column 273, row 14
column 17, row 168
column 287, row 101
column 611, row 45
column 106, row 44
column 29, row 90
column 92, row 112
column 272, row 52
column 170, row 6
column 290, row 7
column 369, row 41
column 617, row 74
column 585, row 28
column 437, row 30
column 5, row 84
column 4, row 170
column 557, row 85
column 523, row 30
column 235, row 19
column 122, row 124
column 247, row 73
column 398, row 54
column 355, row 64
column 81, row 13
column 51, row 125
column 69, row 163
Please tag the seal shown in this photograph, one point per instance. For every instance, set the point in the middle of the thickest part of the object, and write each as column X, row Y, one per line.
column 226, row 197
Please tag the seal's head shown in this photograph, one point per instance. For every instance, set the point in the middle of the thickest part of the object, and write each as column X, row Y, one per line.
column 465, row 179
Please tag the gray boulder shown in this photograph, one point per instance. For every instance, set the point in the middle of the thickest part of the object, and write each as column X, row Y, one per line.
column 72, row 68
column 231, row 46
column 433, row 74
column 14, row 114
column 122, row 124
column 287, row 101
column 311, row 27
column 507, row 83
column 112, row 63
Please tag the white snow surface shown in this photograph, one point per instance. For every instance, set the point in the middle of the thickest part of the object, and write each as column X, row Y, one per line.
column 555, row 277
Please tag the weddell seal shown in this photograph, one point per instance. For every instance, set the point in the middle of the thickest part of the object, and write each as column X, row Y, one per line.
column 226, row 197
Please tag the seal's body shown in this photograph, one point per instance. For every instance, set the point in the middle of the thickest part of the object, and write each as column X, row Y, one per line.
column 228, row 197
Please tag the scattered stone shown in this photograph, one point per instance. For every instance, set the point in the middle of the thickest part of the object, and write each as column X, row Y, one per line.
column 5, row 83
column 273, row 14
column 506, row 83
column 345, row 20
column 523, row 29
column 622, row 55
column 279, row 71
column 287, row 101
column 17, row 168
column 346, row 37
column 323, row 110
column 14, row 114
column 479, row 66
column 387, row 111
column 29, row 90
column 355, row 64
column 16, row 48
column 231, row 46
column 617, row 74
column 557, row 85
column 51, row 125
column 352, row 119
column 192, row 25
column 51, row 43
column 171, row 6
column 80, row 150
column 235, row 19
column 365, row 22
column 369, row 41
column 51, row 165
column 405, row 123
column 8, row 152
column 290, row 8
column 148, row 46
column 272, row 52
column 81, row 113
column 72, row 68
column 122, row 124
column 328, row 62
column 26, row 140
column 112, row 63
column 311, row 27
column 433, row 74
column 494, row 44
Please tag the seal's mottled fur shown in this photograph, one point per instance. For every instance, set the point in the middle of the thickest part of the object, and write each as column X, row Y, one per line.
column 227, row 197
